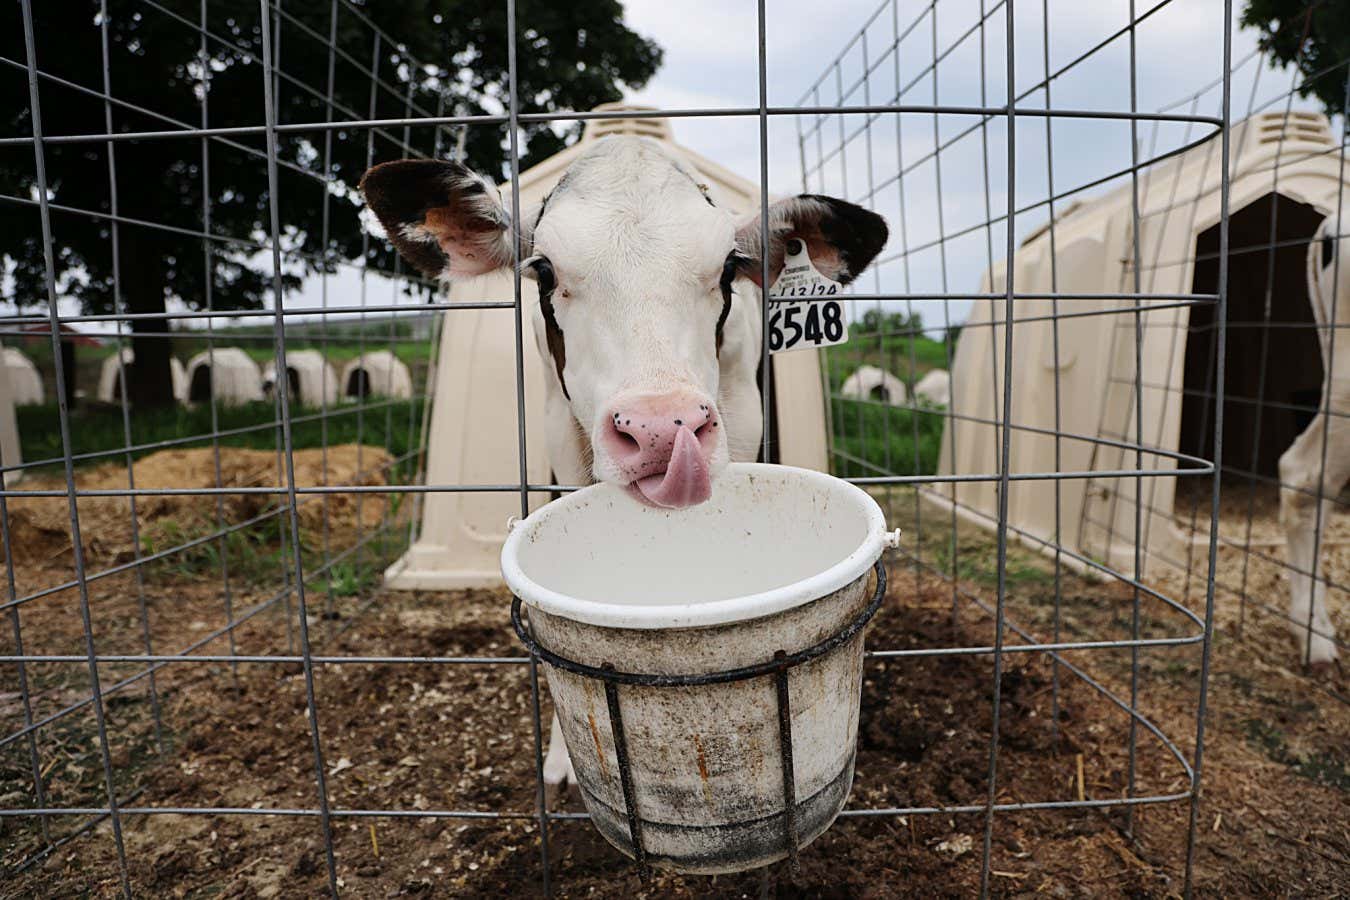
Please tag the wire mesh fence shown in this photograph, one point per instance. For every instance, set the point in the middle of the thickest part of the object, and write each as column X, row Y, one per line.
column 1058, row 485
column 997, row 403
column 1155, row 324
column 236, row 508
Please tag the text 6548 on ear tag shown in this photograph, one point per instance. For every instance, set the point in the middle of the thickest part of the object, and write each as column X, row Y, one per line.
column 805, row 310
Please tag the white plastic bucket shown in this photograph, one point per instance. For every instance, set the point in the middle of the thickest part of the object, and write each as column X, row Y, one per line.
column 777, row 560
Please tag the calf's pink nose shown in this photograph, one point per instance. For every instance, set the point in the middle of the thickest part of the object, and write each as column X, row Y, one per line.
column 662, row 447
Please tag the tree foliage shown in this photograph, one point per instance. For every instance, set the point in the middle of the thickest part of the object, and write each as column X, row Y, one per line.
column 427, row 56
column 875, row 321
column 1314, row 35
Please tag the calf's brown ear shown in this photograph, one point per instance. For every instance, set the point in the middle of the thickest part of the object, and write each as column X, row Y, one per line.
column 445, row 219
column 842, row 238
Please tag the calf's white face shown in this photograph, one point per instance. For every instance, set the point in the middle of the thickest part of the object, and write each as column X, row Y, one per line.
column 637, row 272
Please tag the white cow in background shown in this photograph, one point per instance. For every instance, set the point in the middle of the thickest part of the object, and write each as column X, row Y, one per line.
column 648, row 318
column 1303, row 478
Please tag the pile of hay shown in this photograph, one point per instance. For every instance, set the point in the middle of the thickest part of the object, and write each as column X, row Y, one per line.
column 40, row 526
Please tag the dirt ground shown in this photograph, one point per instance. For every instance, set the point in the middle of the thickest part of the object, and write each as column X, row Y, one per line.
column 1275, row 820
column 427, row 736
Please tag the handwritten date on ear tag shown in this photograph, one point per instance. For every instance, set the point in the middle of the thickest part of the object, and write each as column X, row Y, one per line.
column 805, row 311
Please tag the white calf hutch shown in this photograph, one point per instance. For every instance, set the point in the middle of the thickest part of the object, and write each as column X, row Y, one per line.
column 475, row 384
column 377, row 373
column 1286, row 178
column 110, row 383
column 871, row 383
column 25, row 381
column 10, row 454
column 228, row 372
column 310, row 377
column 935, row 387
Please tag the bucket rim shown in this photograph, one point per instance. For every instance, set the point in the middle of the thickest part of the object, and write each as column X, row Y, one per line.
column 730, row 610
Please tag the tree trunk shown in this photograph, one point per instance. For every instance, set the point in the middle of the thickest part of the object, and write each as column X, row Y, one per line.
column 149, row 377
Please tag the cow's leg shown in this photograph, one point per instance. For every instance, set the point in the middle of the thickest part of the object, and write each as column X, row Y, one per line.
column 558, row 771
column 569, row 454
column 1301, row 476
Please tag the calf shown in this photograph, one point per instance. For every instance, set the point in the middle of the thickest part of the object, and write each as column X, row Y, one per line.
column 1317, row 465
column 648, row 313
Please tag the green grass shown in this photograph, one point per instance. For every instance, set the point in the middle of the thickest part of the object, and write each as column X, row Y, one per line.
column 349, row 581
column 872, row 439
column 884, row 438
column 255, row 553
column 96, row 428
column 979, row 564
column 259, row 554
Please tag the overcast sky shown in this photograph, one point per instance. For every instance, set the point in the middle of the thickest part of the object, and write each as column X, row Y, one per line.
column 711, row 62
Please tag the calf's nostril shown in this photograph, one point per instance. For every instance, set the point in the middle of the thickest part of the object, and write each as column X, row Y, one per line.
column 628, row 441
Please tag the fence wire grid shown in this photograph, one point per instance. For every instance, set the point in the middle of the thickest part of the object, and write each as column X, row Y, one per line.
column 287, row 544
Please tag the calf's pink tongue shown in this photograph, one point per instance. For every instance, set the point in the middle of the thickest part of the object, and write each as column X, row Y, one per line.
column 685, row 482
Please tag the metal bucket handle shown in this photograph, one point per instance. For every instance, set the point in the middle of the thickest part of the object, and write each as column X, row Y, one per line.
column 777, row 667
